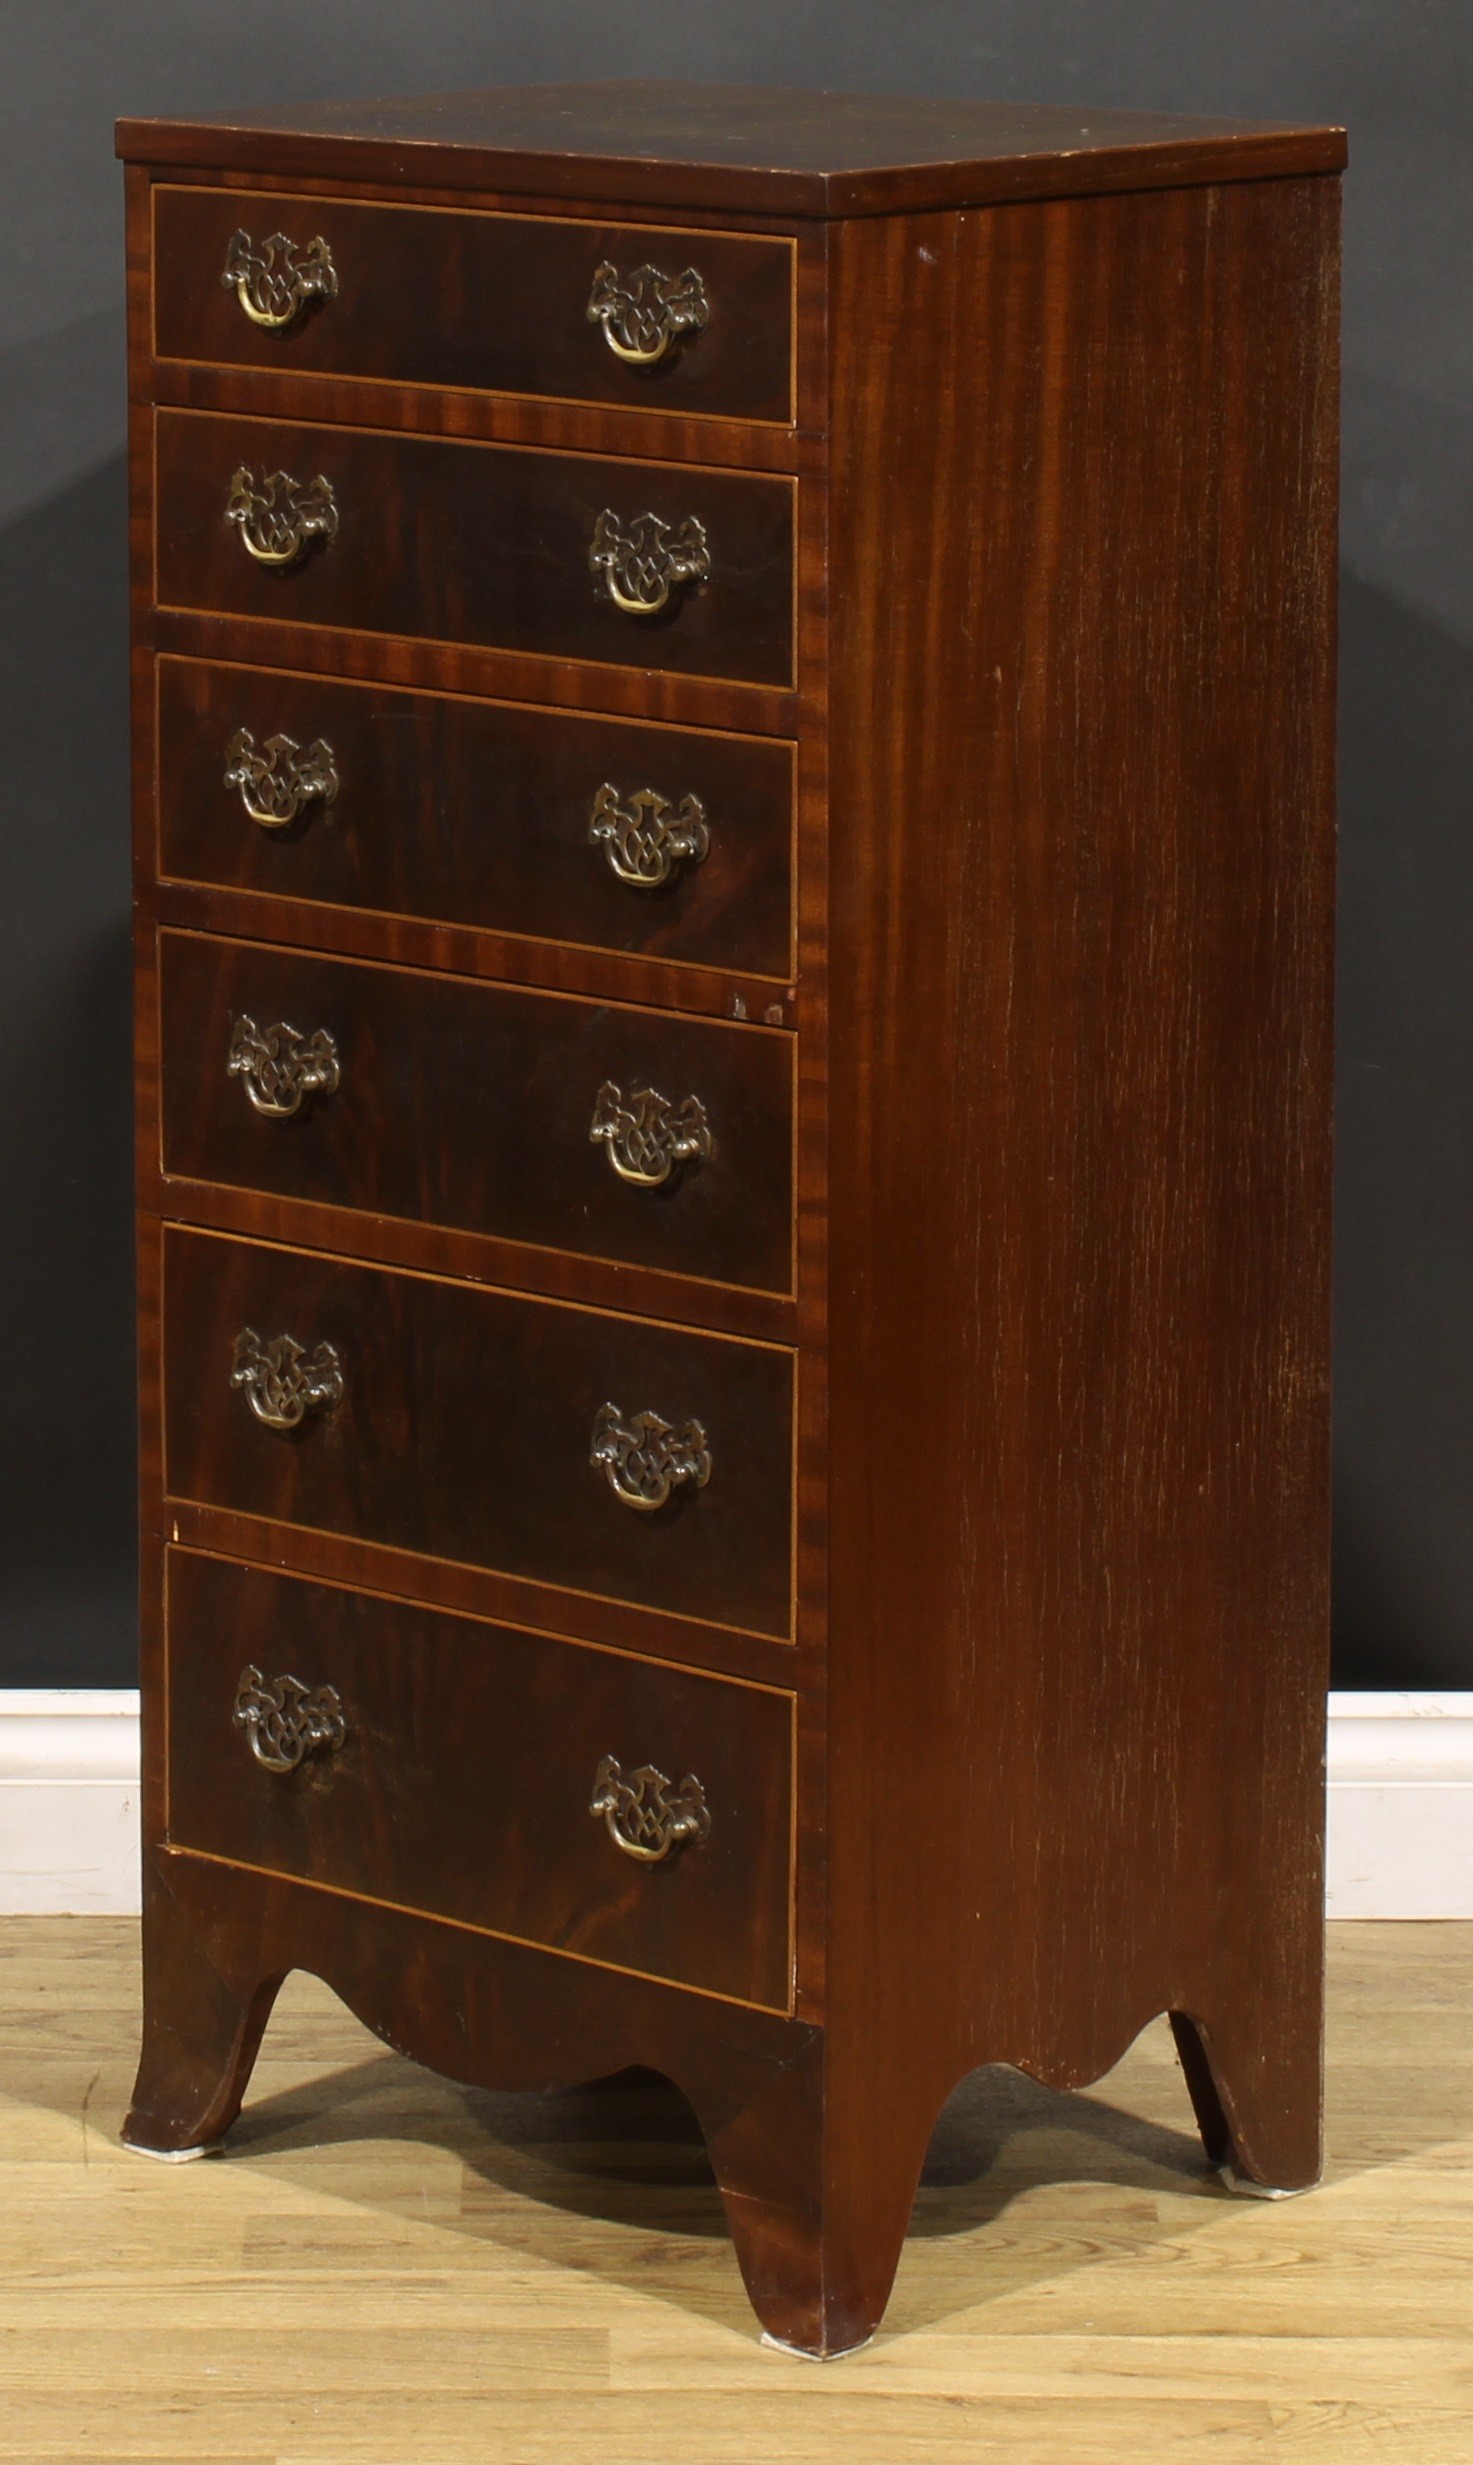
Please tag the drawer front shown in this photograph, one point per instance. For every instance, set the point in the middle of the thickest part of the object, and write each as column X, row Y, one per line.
column 453, row 1765
column 667, row 842
column 577, row 1125
column 495, row 302
column 487, row 545
column 462, row 1424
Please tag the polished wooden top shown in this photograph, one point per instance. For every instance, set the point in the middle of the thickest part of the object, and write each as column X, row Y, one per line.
column 770, row 150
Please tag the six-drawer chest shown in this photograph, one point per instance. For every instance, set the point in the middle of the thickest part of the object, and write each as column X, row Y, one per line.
column 733, row 714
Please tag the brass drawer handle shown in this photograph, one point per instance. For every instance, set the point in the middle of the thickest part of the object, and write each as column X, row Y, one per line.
column 644, row 842
column 644, row 1816
column 278, row 516
column 642, row 565
column 281, row 1384
column 645, row 1459
column 644, row 313
column 274, row 282
column 285, row 1720
column 277, row 780
column 280, row 1066
column 646, row 1135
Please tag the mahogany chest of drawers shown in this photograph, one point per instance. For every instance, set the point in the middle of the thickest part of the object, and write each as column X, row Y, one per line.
column 734, row 819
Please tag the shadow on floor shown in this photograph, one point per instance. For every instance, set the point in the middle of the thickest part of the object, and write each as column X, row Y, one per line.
column 614, row 2178
column 1023, row 2186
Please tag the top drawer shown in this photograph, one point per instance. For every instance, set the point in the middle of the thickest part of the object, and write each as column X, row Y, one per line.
column 629, row 313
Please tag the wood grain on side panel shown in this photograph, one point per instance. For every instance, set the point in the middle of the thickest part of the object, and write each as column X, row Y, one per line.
column 1082, row 525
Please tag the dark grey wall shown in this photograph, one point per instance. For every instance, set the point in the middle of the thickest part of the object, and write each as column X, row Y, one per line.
column 1399, row 72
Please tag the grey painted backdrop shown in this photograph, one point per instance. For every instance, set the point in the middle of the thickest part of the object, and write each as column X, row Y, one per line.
column 1398, row 72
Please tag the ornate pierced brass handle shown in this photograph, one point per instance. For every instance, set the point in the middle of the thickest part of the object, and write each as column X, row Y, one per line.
column 279, row 1066
column 645, row 1815
column 644, row 564
column 285, row 1720
column 646, row 1135
column 644, row 313
column 274, row 282
column 643, row 840
column 644, row 1459
column 277, row 780
column 281, row 1384
column 277, row 516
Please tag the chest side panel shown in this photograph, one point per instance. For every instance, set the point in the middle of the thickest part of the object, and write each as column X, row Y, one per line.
column 1083, row 557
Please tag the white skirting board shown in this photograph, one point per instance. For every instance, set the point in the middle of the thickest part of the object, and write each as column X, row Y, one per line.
column 68, row 1802
column 1400, row 1834
column 1400, row 1819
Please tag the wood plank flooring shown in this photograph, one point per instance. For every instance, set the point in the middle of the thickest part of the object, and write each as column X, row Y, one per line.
column 387, row 2270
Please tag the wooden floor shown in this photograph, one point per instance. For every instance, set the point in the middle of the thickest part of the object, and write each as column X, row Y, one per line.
column 389, row 2271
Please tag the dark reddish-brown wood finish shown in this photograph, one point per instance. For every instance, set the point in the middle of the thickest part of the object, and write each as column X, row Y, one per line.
column 462, row 1784
column 737, row 149
column 479, row 814
column 471, row 1106
column 1054, row 1545
column 1090, row 1365
column 492, row 302
column 478, row 544
column 466, row 1425
column 487, row 672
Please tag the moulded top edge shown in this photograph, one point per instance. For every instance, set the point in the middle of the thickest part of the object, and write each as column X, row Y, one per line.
column 761, row 150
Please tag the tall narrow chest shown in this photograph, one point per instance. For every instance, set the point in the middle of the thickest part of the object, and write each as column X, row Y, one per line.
column 733, row 718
